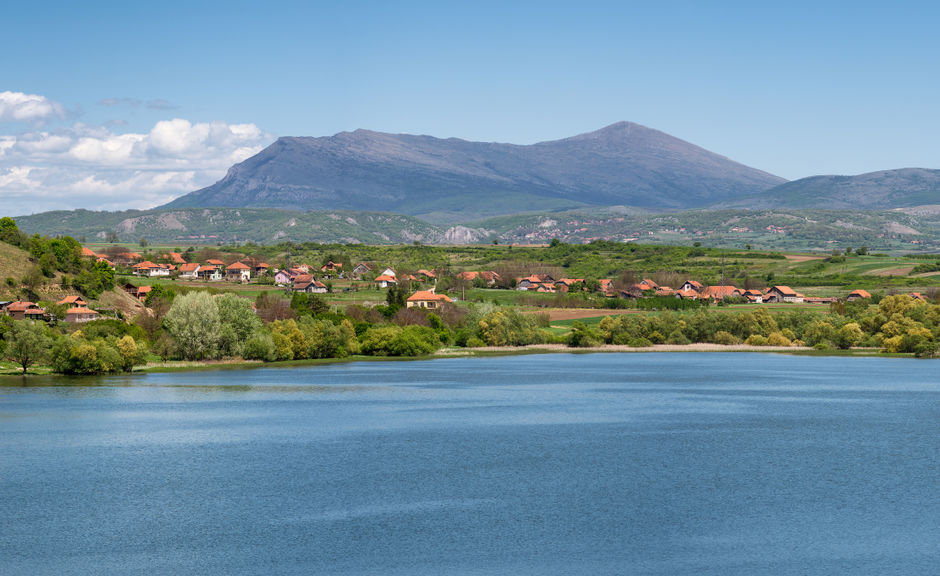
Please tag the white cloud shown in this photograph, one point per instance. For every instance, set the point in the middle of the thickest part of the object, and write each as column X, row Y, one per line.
column 21, row 107
column 93, row 167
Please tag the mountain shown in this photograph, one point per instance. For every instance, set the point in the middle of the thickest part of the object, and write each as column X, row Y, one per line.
column 887, row 189
column 449, row 180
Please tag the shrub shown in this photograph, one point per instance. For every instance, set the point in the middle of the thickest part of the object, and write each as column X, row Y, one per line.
column 778, row 339
column 726, row 338
column 756, row 340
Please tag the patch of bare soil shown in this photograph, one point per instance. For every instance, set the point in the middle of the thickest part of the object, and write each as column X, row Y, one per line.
column 802, row 257
column 902, row 271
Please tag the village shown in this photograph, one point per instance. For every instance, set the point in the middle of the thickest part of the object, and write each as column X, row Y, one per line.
column 421, row 284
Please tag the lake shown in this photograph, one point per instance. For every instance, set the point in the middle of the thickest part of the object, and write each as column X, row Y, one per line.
column 666, row 464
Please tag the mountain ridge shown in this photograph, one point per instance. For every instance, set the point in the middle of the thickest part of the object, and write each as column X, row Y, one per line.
column 447, row 180
column 879, row 190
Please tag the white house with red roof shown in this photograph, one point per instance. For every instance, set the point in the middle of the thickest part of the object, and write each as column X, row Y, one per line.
column 238, row 272
column 782, row 294
column 426, row 299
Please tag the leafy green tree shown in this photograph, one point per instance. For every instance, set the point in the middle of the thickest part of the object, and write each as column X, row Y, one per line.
column 193, row 322
column 27, row 343
column 238, row 323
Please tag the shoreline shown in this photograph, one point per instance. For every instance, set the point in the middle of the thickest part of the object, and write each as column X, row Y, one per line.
column 483, row 352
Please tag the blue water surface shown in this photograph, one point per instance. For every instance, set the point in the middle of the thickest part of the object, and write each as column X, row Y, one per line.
column 666, row 464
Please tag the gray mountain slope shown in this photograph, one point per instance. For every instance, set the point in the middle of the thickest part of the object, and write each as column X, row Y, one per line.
column 886, row 189
column 622, row 164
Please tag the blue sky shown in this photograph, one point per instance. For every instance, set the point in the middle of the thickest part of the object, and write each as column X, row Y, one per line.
column 127, row 104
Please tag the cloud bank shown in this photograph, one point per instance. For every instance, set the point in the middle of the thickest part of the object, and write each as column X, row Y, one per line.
column 20, row 107
column 94, row 167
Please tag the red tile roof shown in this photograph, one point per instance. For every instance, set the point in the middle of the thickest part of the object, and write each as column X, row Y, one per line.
column 428, row 296
column 785, row 290
column 238, row 266
column 720, row 292
column 386, row 278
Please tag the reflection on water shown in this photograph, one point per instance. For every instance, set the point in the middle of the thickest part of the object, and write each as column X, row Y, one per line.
column 551, row 464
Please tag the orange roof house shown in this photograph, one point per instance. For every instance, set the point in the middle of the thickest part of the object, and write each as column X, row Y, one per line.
column 857, row 295
column 426, row 299
column 80, row 314
column 88, row 253
column 691, row 285
column 215, row 262
column 72, row 302
column 384, row 280
column 720, row 292
column 782, row 294
column 22, row 310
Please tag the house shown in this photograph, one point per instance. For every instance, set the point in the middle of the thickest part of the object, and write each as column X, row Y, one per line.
column 238, row 272
column 261, row 269
column 139, row 292
column 426, row 299
column 565, row 284
column 148, row 268
column 189, row 270
column 215, row 262
column 174, row 258
column 857, row 295
column 631, row 292
column 604, row 285
column 360, row 270
column 385, row 280
column 487, row 276
column 310, row 285
column 536, row 283
column 665, row 291
column 691, row 285
column 687, row 295
column 332, row 269
column 721, row 292
column 283, row 277
column 648, row 284
column 23, row 310
column 88, row 253
column 389, row 272
column 428, row 275
column 209, row 273
column 917, row 296
column 106, row 261
column 72, row 302
column 753, row 296
column 127, row 258
column 80, row 314
column 782, row 294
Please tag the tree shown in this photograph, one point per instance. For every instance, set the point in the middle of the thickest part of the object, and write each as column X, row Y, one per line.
column 112, row 237
column 27, row 343
column 238, row 323
column 193, row 322
column 143, row 242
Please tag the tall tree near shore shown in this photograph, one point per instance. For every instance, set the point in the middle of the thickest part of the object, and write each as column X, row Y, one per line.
column 194, row 323
column 27, row 343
